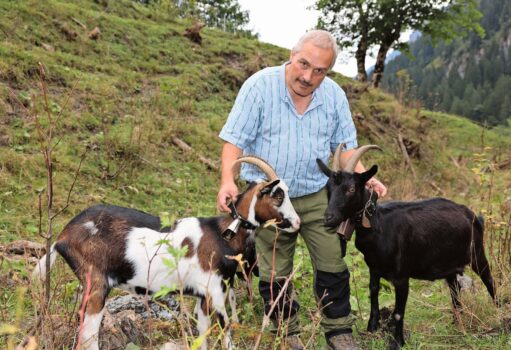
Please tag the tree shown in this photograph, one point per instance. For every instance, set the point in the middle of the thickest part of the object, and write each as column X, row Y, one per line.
column 380, row 22
column 350, row 22
column 224, row 14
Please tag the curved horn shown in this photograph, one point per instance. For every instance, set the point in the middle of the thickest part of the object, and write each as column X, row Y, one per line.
column 355, row 157
column 260, row 163
column 336, row 161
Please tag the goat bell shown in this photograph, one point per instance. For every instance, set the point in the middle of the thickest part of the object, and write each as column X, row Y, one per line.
column 231, row 230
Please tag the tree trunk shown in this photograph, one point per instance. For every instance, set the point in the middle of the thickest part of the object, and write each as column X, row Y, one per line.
column 380, row 64
column 363, row 44
column 360, row 55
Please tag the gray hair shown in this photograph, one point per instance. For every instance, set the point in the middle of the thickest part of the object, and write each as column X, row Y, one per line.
column 319, row 38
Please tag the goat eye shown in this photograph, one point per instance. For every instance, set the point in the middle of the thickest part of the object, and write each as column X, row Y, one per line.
column 351, row 190
column 278, row 196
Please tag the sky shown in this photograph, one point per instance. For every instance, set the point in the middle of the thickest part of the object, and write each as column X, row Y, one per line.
column 283, row 22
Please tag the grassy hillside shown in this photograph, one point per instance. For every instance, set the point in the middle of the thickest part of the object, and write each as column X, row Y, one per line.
column 120, row 100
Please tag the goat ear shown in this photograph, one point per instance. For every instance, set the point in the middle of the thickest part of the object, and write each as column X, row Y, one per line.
column 267, row 188
column 365, row 176
column 324, row 168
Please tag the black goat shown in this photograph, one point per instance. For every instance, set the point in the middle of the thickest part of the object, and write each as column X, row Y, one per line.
column 428, row 240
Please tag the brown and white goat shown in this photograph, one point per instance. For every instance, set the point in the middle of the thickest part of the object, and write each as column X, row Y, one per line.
column 107, row 245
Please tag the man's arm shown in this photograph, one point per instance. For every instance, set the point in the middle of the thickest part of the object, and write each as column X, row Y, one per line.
column 359, row 168
column 228, row 189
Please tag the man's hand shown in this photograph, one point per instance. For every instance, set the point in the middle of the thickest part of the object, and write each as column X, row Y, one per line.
column 227, row 192
column 377, row 186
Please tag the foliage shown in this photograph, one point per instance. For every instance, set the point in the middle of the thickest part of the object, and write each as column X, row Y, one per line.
column 469, row 77
column 381, row 22
column 223, row 14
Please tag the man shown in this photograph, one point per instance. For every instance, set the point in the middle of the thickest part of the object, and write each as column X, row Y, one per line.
column 289, row 116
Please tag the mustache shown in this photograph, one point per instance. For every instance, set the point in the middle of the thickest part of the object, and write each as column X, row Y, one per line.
column 304, row 82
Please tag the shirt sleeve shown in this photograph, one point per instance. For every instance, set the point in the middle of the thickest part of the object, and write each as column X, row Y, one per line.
column 345, row 131
column 241, row 126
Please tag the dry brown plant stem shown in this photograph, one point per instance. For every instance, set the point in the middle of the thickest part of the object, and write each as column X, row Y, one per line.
column 45, row 142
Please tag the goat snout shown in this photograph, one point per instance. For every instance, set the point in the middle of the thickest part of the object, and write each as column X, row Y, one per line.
column 331, row 220
column 297, row 224
column 290, row 225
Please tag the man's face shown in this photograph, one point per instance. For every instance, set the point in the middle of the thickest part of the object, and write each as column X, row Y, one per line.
column 307, row 69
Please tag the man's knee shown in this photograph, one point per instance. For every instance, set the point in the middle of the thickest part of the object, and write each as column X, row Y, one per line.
column 333, row 290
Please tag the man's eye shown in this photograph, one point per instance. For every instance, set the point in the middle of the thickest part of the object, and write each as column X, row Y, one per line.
column 319, row 71
column 303, row 64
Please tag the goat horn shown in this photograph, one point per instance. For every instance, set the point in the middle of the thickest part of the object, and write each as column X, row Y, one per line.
column 336, row 162
column 352, row 162
column 260, row 163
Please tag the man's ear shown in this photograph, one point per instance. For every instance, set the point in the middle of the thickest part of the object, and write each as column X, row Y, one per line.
column 365, row 176
column 324, row 168
column 268, row 187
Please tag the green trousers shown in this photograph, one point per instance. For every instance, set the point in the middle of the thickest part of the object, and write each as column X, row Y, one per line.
column 324, row 247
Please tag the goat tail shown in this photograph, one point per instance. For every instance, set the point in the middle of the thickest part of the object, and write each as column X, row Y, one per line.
column 481, row 220
column 39, row 273
column 480, row 223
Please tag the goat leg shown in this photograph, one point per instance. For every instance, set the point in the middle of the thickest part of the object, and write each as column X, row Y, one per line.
column 454, row 288
column 374, row 287
column 402, row 287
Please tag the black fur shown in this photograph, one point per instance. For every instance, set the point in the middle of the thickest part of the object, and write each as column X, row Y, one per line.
column 428, row 240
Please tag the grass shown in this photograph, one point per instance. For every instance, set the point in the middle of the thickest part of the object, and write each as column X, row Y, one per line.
column 122, row 98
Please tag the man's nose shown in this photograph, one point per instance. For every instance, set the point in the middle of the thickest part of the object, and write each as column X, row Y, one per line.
column 307, row 76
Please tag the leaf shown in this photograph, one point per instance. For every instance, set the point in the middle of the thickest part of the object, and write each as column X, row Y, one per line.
column 7, row 329
column 132, row 346
column 198, row 342
column 164, row 291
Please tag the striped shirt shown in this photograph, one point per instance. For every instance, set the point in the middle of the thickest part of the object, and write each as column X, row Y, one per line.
column 264, row 122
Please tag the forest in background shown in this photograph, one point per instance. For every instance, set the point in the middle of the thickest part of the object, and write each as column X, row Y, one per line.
column 470, row 76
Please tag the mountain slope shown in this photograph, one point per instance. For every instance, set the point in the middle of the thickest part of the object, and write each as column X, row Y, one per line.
column 470, row 76
column 123, row 99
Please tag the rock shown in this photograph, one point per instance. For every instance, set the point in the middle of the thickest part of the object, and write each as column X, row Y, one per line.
column 94, row 34
column 172, row 345
column 466, row 283
column 48, row 47
column 29, row 343
column 125, row 319
column 137, row 304
column 193, row 33
column 120, row 329
column 24, row 247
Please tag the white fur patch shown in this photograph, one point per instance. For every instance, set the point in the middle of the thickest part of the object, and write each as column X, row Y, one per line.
column 89, row 225
column 40, row 269
column 251, row 211
column 148, row 259
column 146, row 255
column 397, row 317
column 287, row 210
